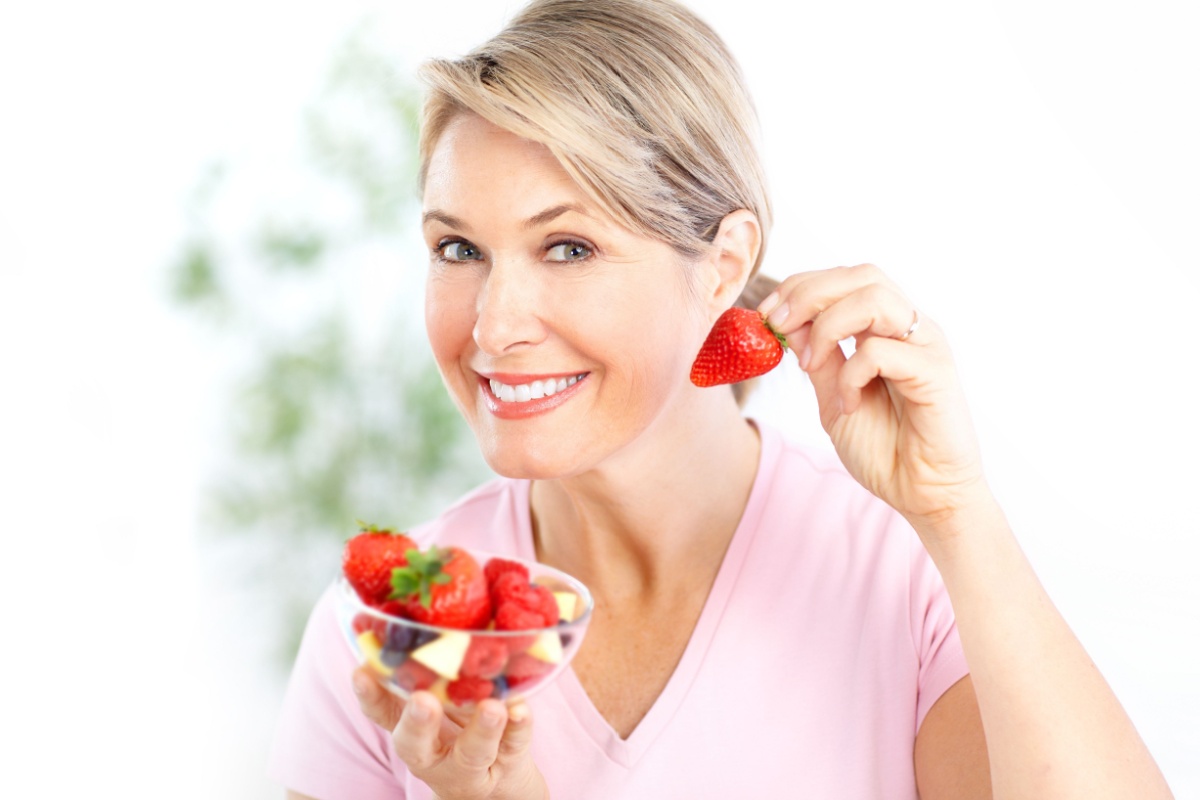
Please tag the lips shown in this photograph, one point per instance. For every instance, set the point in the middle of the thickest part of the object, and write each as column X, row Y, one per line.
column 510, row 396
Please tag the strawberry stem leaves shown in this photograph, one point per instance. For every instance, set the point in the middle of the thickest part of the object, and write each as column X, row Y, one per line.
column 775, row 333
column 424, row 571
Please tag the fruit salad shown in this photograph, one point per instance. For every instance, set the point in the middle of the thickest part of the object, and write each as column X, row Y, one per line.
column 465, row 626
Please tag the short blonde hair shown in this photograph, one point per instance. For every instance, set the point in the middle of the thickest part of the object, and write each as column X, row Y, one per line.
column 639, row 100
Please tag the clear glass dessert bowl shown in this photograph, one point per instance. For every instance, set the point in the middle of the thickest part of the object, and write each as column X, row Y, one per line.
column 462, row 667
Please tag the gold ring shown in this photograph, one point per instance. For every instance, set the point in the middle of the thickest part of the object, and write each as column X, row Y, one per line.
column 915, row 324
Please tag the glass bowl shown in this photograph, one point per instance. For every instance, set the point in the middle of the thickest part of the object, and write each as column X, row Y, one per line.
column 461, row 667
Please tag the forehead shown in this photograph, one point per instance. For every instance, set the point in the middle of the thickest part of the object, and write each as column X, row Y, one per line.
column 475, row 160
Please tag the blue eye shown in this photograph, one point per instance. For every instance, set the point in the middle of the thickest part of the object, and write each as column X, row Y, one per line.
column 569, row 251
column 459, row 251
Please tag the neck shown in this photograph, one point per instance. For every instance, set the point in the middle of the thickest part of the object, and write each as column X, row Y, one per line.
column 663, row 509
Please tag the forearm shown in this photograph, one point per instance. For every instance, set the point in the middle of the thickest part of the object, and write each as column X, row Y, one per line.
column 1054, row 728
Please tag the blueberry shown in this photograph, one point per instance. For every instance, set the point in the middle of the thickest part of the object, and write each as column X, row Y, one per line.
column 393, row 658
column 565, row 638
column 402, row 640
column 499, row 687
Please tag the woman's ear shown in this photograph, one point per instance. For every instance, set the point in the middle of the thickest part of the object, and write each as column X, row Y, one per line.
column 734, row 254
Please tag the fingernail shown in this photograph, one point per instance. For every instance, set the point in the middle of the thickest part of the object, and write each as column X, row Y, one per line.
column 805, row 357
column 492, row 717
column 768, row 303
column 420, row 712
column 778, row 315
column 518, row 713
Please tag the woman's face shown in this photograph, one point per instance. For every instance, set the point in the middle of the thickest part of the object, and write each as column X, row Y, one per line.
column 562, row 337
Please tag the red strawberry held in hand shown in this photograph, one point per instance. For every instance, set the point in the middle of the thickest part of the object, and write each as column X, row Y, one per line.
column 369, row 558
column 443, row 586
column 741, row 345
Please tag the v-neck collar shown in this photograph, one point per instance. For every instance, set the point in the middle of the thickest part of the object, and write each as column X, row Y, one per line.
column 626, row 752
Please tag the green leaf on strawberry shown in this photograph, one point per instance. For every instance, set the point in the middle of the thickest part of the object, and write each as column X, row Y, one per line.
column 423, row 571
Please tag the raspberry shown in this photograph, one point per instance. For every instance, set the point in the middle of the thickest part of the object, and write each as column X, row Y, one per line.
column 363, row 622
column 519, row 644
column 469, row 690
column 370, row 622
column 524, row 668
column 485, row 657
column 525, row 607
column 512, row 616
column 412, row 676
column 500, row 566
column 506, row 585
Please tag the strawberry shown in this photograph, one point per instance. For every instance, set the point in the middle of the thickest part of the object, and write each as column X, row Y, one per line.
column 369, row 558
column 444, row 587
column 741, row 345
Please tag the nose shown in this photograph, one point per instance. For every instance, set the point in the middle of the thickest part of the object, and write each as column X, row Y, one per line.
column 508, row 314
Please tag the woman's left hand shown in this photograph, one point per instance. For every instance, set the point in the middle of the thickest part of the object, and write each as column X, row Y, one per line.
column 895, row 409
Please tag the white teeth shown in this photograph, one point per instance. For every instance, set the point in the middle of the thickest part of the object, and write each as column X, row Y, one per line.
column 536, row 390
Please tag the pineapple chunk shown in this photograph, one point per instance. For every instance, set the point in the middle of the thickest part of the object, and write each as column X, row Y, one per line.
column 369, row 644
column 547, row 647
column 439, row 690
column 444, row 655
column 566, row 605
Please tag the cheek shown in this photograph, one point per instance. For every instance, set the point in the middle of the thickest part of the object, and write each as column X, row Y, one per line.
column 449, row 322
column 654, row 341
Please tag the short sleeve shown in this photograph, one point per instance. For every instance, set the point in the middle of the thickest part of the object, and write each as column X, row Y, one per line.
column 324, row 746
column 941, row 662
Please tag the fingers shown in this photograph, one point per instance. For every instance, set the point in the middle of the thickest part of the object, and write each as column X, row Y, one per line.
column 817, row 310
column 872, row 310
column 518, row 734
column 479, row 742
column 462, row 760
column 802, row 297
column 881, row 358
column 416, row 736
column 377, row 703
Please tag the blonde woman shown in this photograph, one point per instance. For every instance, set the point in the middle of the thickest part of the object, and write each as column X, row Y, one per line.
column 770, row 621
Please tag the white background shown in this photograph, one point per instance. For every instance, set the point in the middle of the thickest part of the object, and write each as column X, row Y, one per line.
column 1026, row 170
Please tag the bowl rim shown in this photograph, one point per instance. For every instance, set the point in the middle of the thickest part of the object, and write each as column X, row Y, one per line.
column 348, row 595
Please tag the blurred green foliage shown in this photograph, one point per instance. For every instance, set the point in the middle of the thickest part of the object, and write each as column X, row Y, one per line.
column 338, row 412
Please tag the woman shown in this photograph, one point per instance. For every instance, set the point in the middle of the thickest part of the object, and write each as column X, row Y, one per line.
column 764, row 625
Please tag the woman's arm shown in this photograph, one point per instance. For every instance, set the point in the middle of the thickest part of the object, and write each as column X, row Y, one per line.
column 1054, row 727
column 896, row 415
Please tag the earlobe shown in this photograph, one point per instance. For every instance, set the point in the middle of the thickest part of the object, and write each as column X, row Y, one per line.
column 735, row 252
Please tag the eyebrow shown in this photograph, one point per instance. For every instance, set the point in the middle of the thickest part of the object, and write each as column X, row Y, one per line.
column 541, row 218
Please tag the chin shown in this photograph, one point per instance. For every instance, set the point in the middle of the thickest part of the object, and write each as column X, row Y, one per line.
column 529, row 461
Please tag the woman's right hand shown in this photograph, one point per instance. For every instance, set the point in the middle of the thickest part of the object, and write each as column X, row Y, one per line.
column 487, row 757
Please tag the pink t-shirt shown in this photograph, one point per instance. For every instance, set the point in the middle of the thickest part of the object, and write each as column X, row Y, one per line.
column 825, row 639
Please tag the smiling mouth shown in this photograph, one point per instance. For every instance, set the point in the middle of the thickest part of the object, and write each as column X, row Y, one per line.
column 535, row 390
